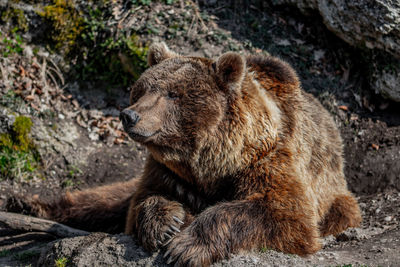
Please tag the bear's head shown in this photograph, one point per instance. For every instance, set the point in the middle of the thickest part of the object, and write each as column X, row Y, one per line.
column 180, row 99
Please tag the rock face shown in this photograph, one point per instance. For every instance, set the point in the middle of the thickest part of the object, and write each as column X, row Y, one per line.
column 367, row 23
column 372, row 24
column 100, row 249
column 387, row 82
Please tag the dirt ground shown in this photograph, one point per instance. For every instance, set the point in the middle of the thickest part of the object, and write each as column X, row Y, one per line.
column 328, row 68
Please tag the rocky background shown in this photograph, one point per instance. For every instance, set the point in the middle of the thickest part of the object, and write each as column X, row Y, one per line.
column 66, row 67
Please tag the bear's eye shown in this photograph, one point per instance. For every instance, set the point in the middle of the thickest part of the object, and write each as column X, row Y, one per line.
column 172, row 95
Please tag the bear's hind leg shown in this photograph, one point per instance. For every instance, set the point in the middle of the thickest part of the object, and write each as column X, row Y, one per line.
column 343, row 213
column 97, row 209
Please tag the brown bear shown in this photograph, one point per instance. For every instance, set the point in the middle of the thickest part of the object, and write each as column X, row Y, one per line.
column 240, row 157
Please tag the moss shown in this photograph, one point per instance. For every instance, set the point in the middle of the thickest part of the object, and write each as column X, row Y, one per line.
column 16, row 16
column 100, row 53
column 61, row 262
column 67, row 23
column 18, row 139
column 22, row 127
column 109, row 56
column 18, row 155
column 137, row 52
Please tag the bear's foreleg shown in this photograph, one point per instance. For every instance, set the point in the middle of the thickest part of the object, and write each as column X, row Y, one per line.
column 243, row 225
column 156, row 221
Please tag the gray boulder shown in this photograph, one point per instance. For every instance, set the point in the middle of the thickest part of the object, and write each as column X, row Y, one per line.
column 100, row 249
column 387, row 82
column 372, row 24
column 365, row 23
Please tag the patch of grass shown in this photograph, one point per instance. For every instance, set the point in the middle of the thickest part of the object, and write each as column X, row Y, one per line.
column 61, row 262
column 26, row 256
column 72, row 174
column 16, row 16
column 4, row 253
column 99, row 52
column 67, row 183
column 148, row 2
column 11, row 44
column 109, row 56
column 18, row 156
column 351, row 265
column 264, row 249
column 74, row 171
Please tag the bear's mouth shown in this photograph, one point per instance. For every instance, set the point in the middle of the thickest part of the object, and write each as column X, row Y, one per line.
column 140, row 136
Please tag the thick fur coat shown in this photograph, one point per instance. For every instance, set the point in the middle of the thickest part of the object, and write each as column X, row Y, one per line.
column 240, row 157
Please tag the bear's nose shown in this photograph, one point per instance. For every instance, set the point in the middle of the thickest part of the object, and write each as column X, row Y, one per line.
column 129, row 117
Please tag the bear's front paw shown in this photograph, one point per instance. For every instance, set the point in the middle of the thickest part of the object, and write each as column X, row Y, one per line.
column 159, row 221
column 185, row 250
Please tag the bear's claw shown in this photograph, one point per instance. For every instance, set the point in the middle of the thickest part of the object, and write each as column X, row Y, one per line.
column 177, row 220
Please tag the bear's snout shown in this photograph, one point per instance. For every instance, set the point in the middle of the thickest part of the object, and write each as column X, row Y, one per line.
column 129, row 118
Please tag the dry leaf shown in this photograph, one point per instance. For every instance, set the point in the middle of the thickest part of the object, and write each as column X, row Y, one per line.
column 29, row 97
column 22, row 71
column 375, row 146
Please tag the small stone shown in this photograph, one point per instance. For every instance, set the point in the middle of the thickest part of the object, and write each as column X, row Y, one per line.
column 93, row 136
column 388, row 218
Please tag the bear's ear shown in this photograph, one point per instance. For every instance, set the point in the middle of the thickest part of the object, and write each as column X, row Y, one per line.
column 230, row 69
column 159, row 52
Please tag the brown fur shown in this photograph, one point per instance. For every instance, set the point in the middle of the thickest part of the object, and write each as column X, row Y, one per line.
column 238, row 152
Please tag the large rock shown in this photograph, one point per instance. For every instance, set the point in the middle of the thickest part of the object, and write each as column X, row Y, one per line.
column 366, row 23
column 100, row 249
column 386, row 81
column 372, row 24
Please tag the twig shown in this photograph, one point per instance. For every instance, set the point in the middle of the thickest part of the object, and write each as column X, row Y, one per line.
column 27, row 223
column 58, row 71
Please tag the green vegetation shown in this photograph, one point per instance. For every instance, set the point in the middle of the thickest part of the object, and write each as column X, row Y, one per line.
column 86, row 36
column 4, row 253
column 67, row 24
column 74, row 171
column 108, row 55
column 61, row 262
column 72, row 175
column 148, row 2
column 102, row 53
column 16, row 16
column 18, row 155
column 11, row 45
column 351, row 265
column 26, row 256
column 264, row 249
